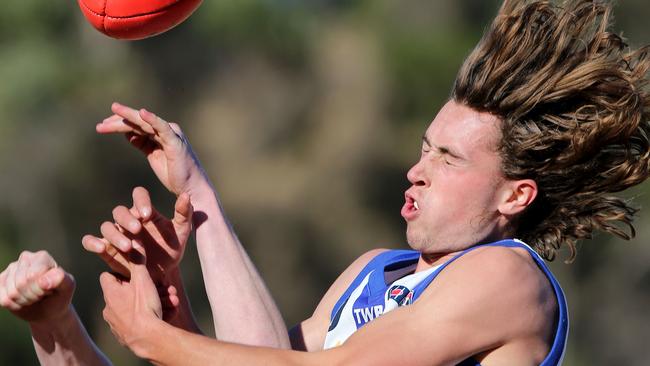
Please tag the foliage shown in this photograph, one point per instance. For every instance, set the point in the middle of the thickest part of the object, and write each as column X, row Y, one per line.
column 306, row 115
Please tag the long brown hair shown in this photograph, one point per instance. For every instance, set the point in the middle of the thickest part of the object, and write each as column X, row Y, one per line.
column 574, row 115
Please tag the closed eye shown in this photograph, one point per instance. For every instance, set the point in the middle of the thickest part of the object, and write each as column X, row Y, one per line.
column 442, row 152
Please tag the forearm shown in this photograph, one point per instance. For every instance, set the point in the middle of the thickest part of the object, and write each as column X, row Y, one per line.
column 65, row 342
column 190, row 349
column 229, row 274
column 184, row 318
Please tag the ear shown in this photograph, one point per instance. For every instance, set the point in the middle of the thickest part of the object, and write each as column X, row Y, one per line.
column 517, row 196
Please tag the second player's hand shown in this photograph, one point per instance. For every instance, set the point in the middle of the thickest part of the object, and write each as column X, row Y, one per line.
column 163, row 239
column 166, row 148
column 35, row 289
column 131, row 306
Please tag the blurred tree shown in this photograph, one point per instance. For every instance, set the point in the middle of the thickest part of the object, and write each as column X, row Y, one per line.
column 307, row 116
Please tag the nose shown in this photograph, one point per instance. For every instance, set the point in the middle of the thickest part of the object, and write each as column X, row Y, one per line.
column 416, row 175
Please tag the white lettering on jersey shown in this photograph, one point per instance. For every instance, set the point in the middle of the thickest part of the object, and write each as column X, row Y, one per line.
column 368, row 313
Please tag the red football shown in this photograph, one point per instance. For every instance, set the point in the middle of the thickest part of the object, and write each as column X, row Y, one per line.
column 136, row 19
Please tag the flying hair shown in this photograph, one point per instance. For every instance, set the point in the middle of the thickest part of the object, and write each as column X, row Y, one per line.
column 574, row 110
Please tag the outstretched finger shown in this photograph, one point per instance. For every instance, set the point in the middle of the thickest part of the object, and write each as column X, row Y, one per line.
column 114, row 236
column 133, row 116
column 94, row 244
column 108, row 253
column 162, row 128
column 126, row 219
column 118, row 124
column 142, row 203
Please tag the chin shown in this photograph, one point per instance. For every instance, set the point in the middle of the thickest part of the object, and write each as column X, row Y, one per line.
column 416, row 242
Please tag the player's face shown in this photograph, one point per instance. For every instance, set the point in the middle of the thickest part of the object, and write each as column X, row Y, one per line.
column 457, row 183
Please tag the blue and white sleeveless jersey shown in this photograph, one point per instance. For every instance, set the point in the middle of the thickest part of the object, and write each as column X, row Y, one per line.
column 388, row 281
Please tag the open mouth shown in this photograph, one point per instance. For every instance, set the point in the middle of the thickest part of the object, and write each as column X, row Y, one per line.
column 411, row 208
column 412, row 202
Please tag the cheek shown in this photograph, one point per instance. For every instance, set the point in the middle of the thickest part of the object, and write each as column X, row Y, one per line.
column 485, row 201
column 470, row 196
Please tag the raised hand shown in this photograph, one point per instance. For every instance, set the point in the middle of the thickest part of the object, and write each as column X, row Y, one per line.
column 144, row 229
column 130, row 305
column 166, row 148
column 226, row 267
column 35, row 289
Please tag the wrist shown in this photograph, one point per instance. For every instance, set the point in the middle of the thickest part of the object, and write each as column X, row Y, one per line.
column 205, row 203
column 200, row 188
column 57, row 327
column 64, row 340
column 148, row 346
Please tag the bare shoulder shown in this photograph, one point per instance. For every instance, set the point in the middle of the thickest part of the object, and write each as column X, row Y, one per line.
column 502, row 268
column 497, row 273
column 501, row 262
column 313, row 330
column 492, row 304
column 517, row 307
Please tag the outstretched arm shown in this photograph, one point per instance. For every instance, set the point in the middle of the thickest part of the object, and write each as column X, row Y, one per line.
column 227, row 269
column 34, row 289
column 512, row 325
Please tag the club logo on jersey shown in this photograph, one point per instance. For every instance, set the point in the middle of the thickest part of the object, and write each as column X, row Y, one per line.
column 364, row 314
column 400, row 294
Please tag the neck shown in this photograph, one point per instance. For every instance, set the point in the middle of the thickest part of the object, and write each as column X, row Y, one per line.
column 428, row 260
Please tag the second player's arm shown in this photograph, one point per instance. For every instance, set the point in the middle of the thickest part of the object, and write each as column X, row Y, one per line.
column 445, row 326
column 242, row 307
column 39, row 292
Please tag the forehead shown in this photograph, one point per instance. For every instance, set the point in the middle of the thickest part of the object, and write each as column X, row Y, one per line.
column 465, row 130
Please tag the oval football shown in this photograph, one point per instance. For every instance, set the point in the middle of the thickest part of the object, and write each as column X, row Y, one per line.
column 128, row 19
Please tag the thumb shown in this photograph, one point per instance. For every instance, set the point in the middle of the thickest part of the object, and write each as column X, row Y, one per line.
column 139, row 272
column 107, row 281
column 137, row 262
column 56, row 279
column 140, row 275
column 183, row 211
column 146, row 289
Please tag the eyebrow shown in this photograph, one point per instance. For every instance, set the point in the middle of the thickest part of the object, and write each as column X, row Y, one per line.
column 443, row 149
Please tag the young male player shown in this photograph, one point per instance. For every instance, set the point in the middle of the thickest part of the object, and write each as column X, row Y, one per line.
column 548, row 118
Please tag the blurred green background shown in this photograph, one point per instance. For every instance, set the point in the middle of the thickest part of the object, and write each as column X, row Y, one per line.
column 306, row 115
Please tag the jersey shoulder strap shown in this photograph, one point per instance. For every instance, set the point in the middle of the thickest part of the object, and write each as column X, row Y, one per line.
column 376, row 266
